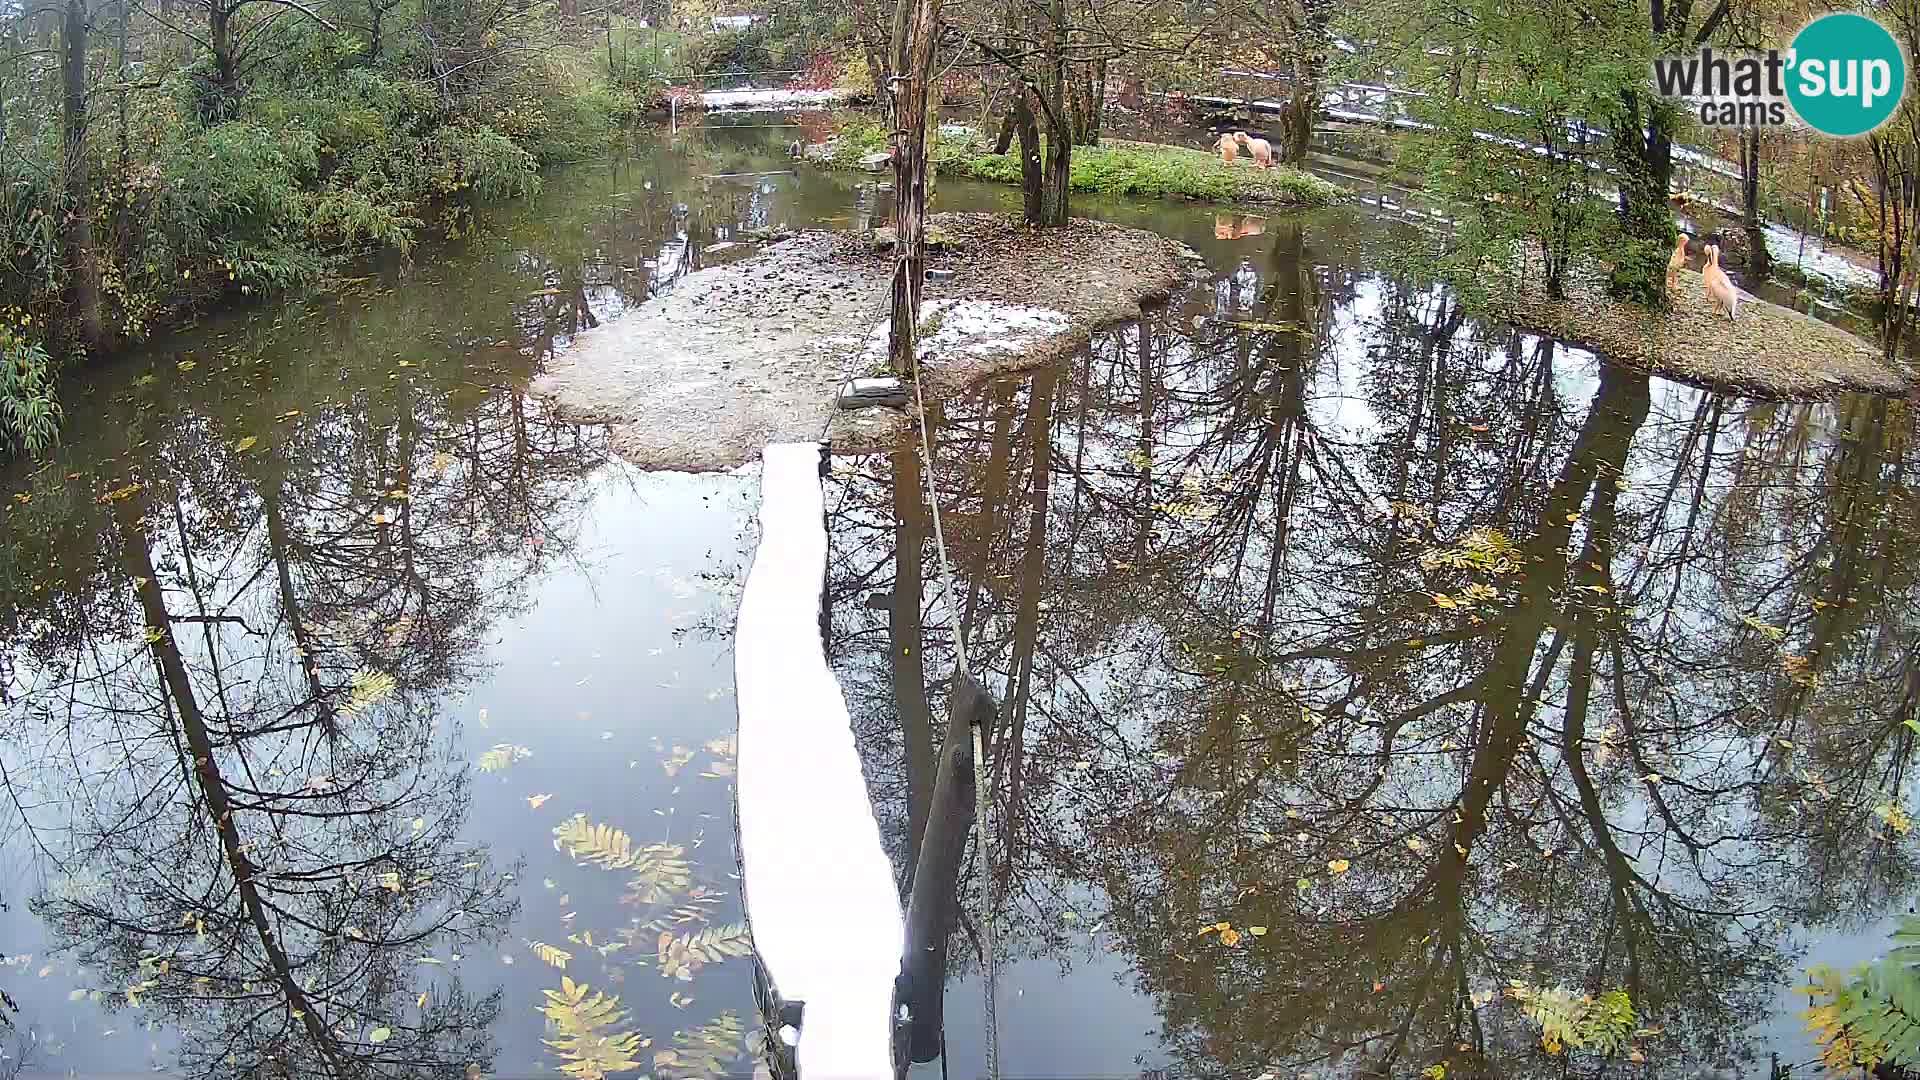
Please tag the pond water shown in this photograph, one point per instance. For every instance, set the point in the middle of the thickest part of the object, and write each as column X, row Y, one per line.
column 353, row 701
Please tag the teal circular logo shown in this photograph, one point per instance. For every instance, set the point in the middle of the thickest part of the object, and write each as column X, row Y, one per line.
column 1845, row 75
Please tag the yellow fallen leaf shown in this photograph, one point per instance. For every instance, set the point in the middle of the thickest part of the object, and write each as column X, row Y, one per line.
column 1257, row 931
column 1414, row 844
column 246, row 444
column 379, row 1035
column 537, row 801
column 1338, row 866
column 1229, row 936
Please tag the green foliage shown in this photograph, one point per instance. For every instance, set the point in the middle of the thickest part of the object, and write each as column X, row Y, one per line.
column 1522, row 217
column 333, row 142
column 639, row 64
column 736, row 50
column 1113, row 168
column 29, row 412
column 1569, row 1021
column 1872, row 1016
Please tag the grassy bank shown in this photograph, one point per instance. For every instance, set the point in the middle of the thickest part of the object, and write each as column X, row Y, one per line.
column 1148, row 170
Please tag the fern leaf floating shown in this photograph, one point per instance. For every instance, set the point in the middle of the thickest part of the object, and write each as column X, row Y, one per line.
column 682, row 955
column 501, row 756
column 369, row 688
column 602, row 844
column 582, row 1022
column 551, row 955
column 705, row 1051
column 1568, row 1022
column 660, row 872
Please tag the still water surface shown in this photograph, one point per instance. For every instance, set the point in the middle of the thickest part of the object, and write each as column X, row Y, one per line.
column 353, row 701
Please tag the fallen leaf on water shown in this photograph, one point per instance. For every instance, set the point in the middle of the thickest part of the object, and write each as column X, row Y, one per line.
column 1257, row 931
column 680, row 1000
column 379, row 1035
column 1229, row 936
column 422, row 1001
column 1414, row 844
column 246, row 444
column 419, row 825
column 1338, row 866
column 537, row 801
column 76, row 995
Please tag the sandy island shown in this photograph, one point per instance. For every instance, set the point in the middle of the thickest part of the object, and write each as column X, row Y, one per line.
column 737, row 356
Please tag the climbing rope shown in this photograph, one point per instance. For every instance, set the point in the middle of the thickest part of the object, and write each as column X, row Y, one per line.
column 982, row 795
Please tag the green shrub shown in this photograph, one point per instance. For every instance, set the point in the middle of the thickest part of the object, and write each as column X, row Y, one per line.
column 29, row 411
column 736, row 50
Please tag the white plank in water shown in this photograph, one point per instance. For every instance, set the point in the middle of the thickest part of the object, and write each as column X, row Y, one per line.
column 819, row 888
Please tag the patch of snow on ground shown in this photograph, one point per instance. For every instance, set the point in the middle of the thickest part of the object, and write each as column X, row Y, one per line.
column 973, row 327
column 771, row 99
column 1817, row 262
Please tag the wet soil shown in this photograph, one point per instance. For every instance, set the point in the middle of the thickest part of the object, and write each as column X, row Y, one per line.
column 752, row 352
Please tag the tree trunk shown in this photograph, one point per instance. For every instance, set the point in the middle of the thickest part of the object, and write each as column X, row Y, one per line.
column 1643, row 154
column 377, row 16
column 226, row 60
column 1054, row 189
column 1031, row 179
column 1053, row 192
column 1087, row 98
column 1758, row 260
column 83, row 268
column 1005, row 140
column 1298, row 133
column 910, row 176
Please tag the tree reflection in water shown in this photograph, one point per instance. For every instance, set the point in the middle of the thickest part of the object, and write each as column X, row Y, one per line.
column 230, row 751
column 1443, row 656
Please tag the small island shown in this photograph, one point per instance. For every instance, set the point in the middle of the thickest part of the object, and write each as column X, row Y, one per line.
column 752, row 352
